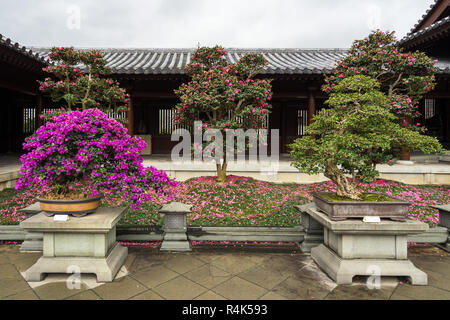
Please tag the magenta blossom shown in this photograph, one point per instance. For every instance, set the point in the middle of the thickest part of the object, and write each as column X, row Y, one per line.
column 89, row 147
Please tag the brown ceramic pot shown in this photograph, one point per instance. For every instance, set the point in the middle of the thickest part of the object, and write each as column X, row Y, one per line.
column 76, row 208
column 341, row 210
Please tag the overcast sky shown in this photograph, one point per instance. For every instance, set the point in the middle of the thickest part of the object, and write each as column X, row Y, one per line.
column 187, row 23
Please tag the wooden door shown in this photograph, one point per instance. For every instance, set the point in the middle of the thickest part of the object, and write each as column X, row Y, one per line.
column 294, row 123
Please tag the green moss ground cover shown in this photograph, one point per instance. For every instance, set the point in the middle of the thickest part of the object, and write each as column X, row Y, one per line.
column 243, row 201
column 370, row 197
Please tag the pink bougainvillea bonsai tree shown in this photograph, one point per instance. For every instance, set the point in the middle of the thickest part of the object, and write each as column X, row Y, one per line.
column 224, row 96
column 403, row 76
column 82, row 153
column 79, row 79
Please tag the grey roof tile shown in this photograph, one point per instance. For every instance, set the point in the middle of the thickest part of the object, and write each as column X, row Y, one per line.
column 443, row 65
column 433, row 26
column 431, row 8
column 7, row 42
column 173, row 61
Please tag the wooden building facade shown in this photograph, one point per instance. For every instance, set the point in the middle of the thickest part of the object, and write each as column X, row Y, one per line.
column 152, row 75
column 19, row 95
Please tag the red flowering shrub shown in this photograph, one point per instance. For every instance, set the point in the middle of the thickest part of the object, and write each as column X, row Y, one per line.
column 224, row 96
column 78, row 79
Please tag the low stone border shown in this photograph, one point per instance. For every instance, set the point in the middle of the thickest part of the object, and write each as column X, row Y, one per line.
column 139, row 233
column 8, row 179
column 260, row 234
column 12, row 233
column 433, row 235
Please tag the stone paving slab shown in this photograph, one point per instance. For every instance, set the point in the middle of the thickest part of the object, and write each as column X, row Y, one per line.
column 218, row 274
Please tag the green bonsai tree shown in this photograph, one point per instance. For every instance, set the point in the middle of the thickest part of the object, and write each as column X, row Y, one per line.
column 356, row 129
column 78, row 78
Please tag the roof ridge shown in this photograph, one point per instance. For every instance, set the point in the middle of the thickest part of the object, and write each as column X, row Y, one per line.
column 424, row 16
column 42, row 48
column 413, row 35
column 21, row 49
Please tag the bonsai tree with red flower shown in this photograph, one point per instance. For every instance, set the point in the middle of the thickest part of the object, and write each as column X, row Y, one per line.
column 224, row 96
column 82, row 153
column 357, row 128
column 78, row 78
column 403, row 76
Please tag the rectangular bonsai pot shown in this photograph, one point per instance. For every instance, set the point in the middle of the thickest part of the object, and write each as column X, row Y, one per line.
column 341, row 210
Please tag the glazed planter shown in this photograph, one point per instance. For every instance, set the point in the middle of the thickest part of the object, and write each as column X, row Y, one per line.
column 76, row 208
column 341, row 210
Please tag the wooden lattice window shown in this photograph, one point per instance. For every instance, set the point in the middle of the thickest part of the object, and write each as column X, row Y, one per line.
column 29, row 122
column 430, row 108
column 302, row 122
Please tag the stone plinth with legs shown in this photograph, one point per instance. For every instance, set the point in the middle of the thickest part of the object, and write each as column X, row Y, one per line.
column 353, row 247
column 444, row 221
column 87, row 244
column 313, row 230
column 175, row 237
column 33, row 240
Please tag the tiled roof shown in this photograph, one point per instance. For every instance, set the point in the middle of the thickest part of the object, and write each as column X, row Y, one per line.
column 280, row 61
column 417, row 34
column 430, row 9
column 172, row 61
column 444, row 65
column 7, row 42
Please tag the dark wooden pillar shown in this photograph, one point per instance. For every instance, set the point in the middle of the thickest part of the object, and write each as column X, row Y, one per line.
column 311, row 105
column 130, row 116
column 283, row 127
column 38, row 111
column 446, row 120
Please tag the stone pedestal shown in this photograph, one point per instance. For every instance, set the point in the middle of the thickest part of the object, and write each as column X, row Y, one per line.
column 353, row 247
column 313, row 230
column 87, row 244
column 444, row 221
column 33, row 240
column 175, row 237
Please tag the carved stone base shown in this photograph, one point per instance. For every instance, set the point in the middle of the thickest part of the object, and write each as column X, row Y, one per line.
column 343, row 270
column 105, row 268
column 176, row 241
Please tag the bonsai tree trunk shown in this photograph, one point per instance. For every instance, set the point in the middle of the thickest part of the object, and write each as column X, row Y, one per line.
column 405, row 154
column 345, row 188
column 221, row 172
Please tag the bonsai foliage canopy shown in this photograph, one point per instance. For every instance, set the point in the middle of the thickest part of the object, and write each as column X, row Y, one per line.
column 224, row 96
column 79, row 79
column 87, row 151
column 403, row 76
column 357, row 129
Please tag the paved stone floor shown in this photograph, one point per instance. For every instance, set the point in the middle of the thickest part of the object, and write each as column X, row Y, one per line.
column 214, row 274
column 9, row 163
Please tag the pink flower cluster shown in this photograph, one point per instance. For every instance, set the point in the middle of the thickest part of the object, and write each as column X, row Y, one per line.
column 89, row 147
